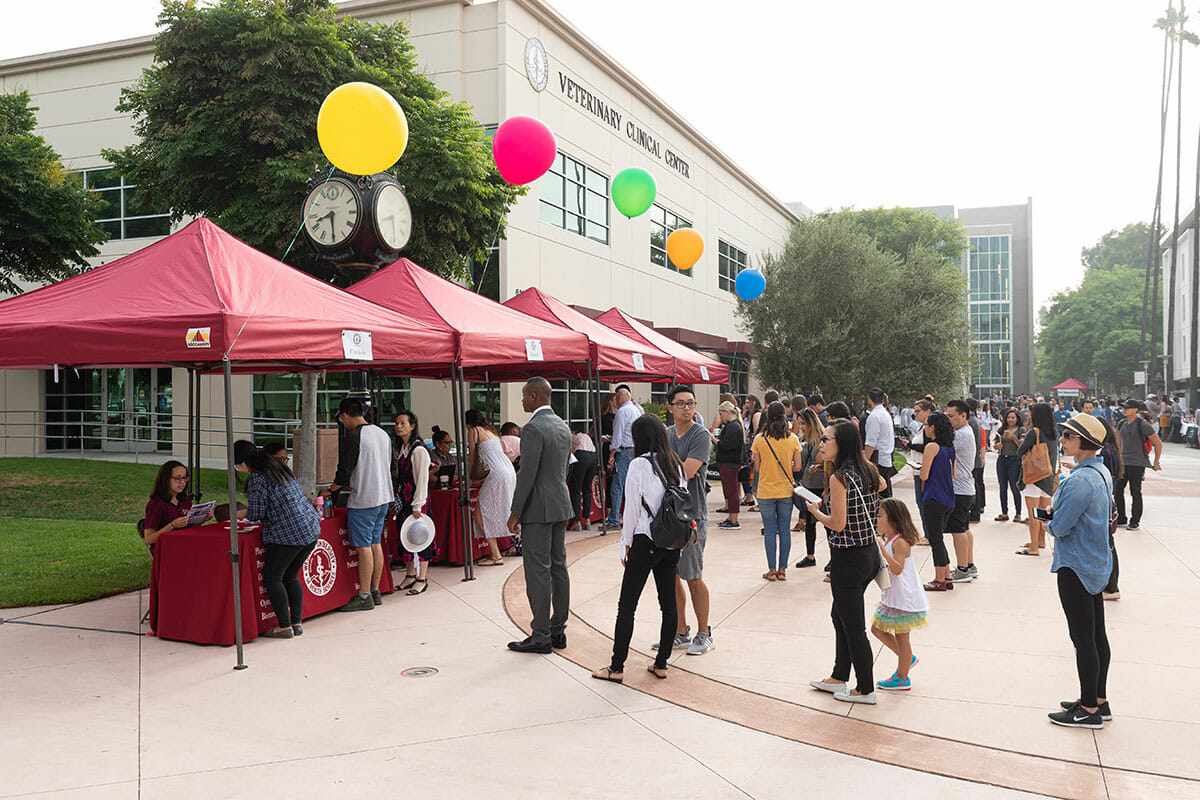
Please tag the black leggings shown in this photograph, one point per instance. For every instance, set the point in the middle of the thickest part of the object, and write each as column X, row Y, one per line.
column 1085, row 621
column 1132, row 477
column 851, row 570
column 642, row 559
column 810, row 532
column 936, row 515
column 1116, row 570
column 281, row 565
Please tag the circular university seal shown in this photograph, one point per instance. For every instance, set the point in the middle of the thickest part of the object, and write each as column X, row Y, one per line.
column 320, row 569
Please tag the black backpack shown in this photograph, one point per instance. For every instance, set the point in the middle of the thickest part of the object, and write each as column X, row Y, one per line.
column 673, row 527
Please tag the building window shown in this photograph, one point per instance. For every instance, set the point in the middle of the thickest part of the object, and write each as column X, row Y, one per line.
column 991, row 365
column 574, row 197
column 988, row 268
column 277, row 397
column 485, row 398
column 730, row 261
column 658, row 392
column 739, row 374
column 662, row 223
column 485, row 275
column 122, row 212
column 571, row 400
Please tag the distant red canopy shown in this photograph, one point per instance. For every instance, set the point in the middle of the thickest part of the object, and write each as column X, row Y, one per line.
column 690, row 366
column 1071, row 383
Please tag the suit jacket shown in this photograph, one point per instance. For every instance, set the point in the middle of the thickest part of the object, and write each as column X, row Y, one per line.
column 541, row 493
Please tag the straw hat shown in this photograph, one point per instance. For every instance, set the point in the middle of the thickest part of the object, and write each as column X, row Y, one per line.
column 1086, row 427
column 417, row 534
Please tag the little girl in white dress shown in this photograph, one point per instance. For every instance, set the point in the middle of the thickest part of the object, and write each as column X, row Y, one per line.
column 903, row 605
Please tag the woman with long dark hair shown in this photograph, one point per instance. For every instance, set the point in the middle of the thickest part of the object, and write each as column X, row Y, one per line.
column 654, row 462
column 1008, row 465
column 937, row 494
column 854, row 496
column 1037, row 495
column 775, row 454
column 410, row 476
column 812, row 477
column 751, row 418
column 1111, row 455
column 169, row 502
column 290, row 529
column 496, row 491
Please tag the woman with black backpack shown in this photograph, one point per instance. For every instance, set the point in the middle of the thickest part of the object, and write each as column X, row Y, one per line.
column 645, row 487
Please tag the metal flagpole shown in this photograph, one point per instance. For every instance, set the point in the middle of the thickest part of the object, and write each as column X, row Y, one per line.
column 195, row 421
column 192, row 467
column 233, row 521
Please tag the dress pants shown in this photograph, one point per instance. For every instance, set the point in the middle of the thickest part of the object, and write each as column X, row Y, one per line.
column 1132, row 477
column 579, row 477
column 547, row 584
column 851, row 571
column 641, row 561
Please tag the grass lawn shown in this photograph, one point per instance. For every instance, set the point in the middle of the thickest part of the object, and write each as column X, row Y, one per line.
column 67, row 528
column 43, row 562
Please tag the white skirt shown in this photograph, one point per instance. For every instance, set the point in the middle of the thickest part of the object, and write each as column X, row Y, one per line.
column 1032, row 491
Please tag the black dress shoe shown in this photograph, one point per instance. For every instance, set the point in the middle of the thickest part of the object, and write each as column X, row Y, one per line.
column 528, row 645
column 558, row 642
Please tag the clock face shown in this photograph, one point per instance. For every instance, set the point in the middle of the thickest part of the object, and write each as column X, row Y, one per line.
column 393, row 218
column 331, row 213
column 537, row 66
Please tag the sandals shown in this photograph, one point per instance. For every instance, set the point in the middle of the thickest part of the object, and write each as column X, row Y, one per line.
column 658, row 672
column 407, row 584
column 1018, row 518
column 424, row 586
column 1025, row 552
column 781, row 574
column 491, row 562
column 606, row 674
column 770, row 575
column 1001, row 518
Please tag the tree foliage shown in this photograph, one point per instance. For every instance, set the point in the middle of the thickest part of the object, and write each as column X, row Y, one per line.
column 226, row 121
column 841, row 315
column 1128, row 246
column 47, row 218
column 900, row 230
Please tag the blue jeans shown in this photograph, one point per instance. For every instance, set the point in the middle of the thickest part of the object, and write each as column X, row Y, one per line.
column 621, row 461
column 777, row 525
column 1008, row 472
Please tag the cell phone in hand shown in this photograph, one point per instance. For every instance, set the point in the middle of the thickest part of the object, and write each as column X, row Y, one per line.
column 1044, row 514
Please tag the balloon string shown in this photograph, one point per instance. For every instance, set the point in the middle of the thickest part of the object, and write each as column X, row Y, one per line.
column 278, row 264
column 495, row 236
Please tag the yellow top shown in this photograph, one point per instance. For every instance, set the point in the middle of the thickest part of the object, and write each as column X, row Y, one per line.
column 772, row 481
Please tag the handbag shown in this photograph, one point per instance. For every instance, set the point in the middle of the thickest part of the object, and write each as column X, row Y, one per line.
column 1035, row 464
column 479, row 468
column 883, row 576
column 797, row 500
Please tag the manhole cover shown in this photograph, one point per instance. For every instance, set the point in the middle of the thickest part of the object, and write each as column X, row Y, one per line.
column 419, row 672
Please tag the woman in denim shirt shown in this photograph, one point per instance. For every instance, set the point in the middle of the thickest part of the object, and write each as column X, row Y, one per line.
column 1083, row 562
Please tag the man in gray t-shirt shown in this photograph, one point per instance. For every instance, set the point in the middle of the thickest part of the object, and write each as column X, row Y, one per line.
column 964, row 492
column 692, row 444
column 1135, row 432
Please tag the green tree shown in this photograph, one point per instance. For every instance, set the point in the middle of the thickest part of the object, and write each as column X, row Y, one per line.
column 841, row 315
column 47, row 218
column 901, row 230
column 1093, row 329
column 226, row 120
column 1128, row 246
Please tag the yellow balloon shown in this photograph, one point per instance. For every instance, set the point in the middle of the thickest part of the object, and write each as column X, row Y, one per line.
column 684, row 247
column 361, row 128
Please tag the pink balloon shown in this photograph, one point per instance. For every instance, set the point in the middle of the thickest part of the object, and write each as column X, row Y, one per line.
column 524, row 149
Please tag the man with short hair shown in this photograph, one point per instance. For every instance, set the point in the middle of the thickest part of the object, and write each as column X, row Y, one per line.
column 1088, row 407
column 365, row 465
column 620, row 452
column 964, row 493
column 692, row 444
column 977, row 470
column 1135, row 432
column 879, row 440
column 1061, row 414
column 817, row 404
column 542, row 506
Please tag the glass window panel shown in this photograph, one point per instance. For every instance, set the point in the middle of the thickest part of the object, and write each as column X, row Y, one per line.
column 109, row 205
column 597, row 208
column 150, row 226
column 575, row 224
column 576, row 171
column 597, row 182
column 102, row 178
column 136, row 207
column 575, row 200
column 113, row 229
column 550, row 188
column 550, row 214
column 597, row 233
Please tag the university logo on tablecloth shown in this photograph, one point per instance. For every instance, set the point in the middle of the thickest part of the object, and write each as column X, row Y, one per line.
column 320, row 569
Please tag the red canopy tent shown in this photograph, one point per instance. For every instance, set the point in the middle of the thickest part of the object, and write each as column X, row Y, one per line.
column 616, row 357
column 495, row 342
column 1071, row 385
column 690, row 366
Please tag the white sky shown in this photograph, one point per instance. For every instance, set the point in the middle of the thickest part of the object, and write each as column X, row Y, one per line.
column 926, row 102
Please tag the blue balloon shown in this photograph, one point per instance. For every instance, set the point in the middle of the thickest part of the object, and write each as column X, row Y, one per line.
column 750, row 284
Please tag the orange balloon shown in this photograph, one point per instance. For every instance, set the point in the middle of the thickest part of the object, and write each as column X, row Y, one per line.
column 684, row 247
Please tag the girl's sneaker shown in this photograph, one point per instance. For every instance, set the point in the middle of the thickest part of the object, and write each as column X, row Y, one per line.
column 895, row 684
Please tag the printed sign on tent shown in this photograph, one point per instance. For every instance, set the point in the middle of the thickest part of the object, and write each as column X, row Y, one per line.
column 199, row 337
column 639, row 363
column 533, row 350
column 704, row 372
column 356, row 345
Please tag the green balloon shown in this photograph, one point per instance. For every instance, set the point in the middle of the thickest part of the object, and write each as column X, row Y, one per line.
column 633, row 191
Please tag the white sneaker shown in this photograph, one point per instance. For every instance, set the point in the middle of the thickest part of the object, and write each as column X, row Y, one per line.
column 832, row 688
column 701, row 644
column 845, row 696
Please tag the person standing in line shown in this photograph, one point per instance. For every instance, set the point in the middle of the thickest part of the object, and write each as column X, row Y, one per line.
column 1008, row 463
column 980, row 449
column 751, row 415
column 290, row 529
column 654, row 461
column 365, row 465
column 1135, row 434
column 854, row 489
column 1083, row 564
column 730, row 448
column 621, row 452
column 916, row 444
column 1110, row 454
column 959, row 526
column 1059, row 412
column 580, row 476
column 817, row 404
column 902, row 606
column 1041, row 429
column 510, row 441
column 542, row 506
column 880, row 439
column 938, row 503
column 410, row 473
column 692, row 445
column 608, row 412
column 776, row 455
column 812, row 477
column 496, row 490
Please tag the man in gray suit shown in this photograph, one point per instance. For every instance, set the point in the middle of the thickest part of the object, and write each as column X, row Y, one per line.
column 542, row 505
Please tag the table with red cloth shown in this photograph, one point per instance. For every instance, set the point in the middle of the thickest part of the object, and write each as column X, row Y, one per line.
column 191, row 582
column 446, row 515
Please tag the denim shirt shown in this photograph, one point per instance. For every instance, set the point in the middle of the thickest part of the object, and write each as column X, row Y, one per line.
column 1080, row 524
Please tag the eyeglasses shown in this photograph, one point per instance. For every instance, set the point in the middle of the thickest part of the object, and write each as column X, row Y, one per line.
column 684, row 404
column 179, row 477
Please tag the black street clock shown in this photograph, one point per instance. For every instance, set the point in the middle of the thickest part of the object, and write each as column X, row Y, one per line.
column 356, row 221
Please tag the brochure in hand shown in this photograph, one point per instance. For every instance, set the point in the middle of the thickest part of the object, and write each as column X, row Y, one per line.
column 199, row 511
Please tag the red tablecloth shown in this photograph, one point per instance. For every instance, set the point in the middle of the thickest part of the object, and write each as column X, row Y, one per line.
column 191, row 582
column 444, row 511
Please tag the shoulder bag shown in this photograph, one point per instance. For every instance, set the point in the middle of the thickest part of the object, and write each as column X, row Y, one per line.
column 1035, row 464
column 797, row 500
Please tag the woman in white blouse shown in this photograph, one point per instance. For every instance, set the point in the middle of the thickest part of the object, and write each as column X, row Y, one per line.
column 644, row 489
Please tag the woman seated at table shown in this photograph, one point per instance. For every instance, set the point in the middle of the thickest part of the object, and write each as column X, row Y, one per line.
column 169, row 502
column 496, row 490
column 441, row 461
column 410, row 474
column 290, row 529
